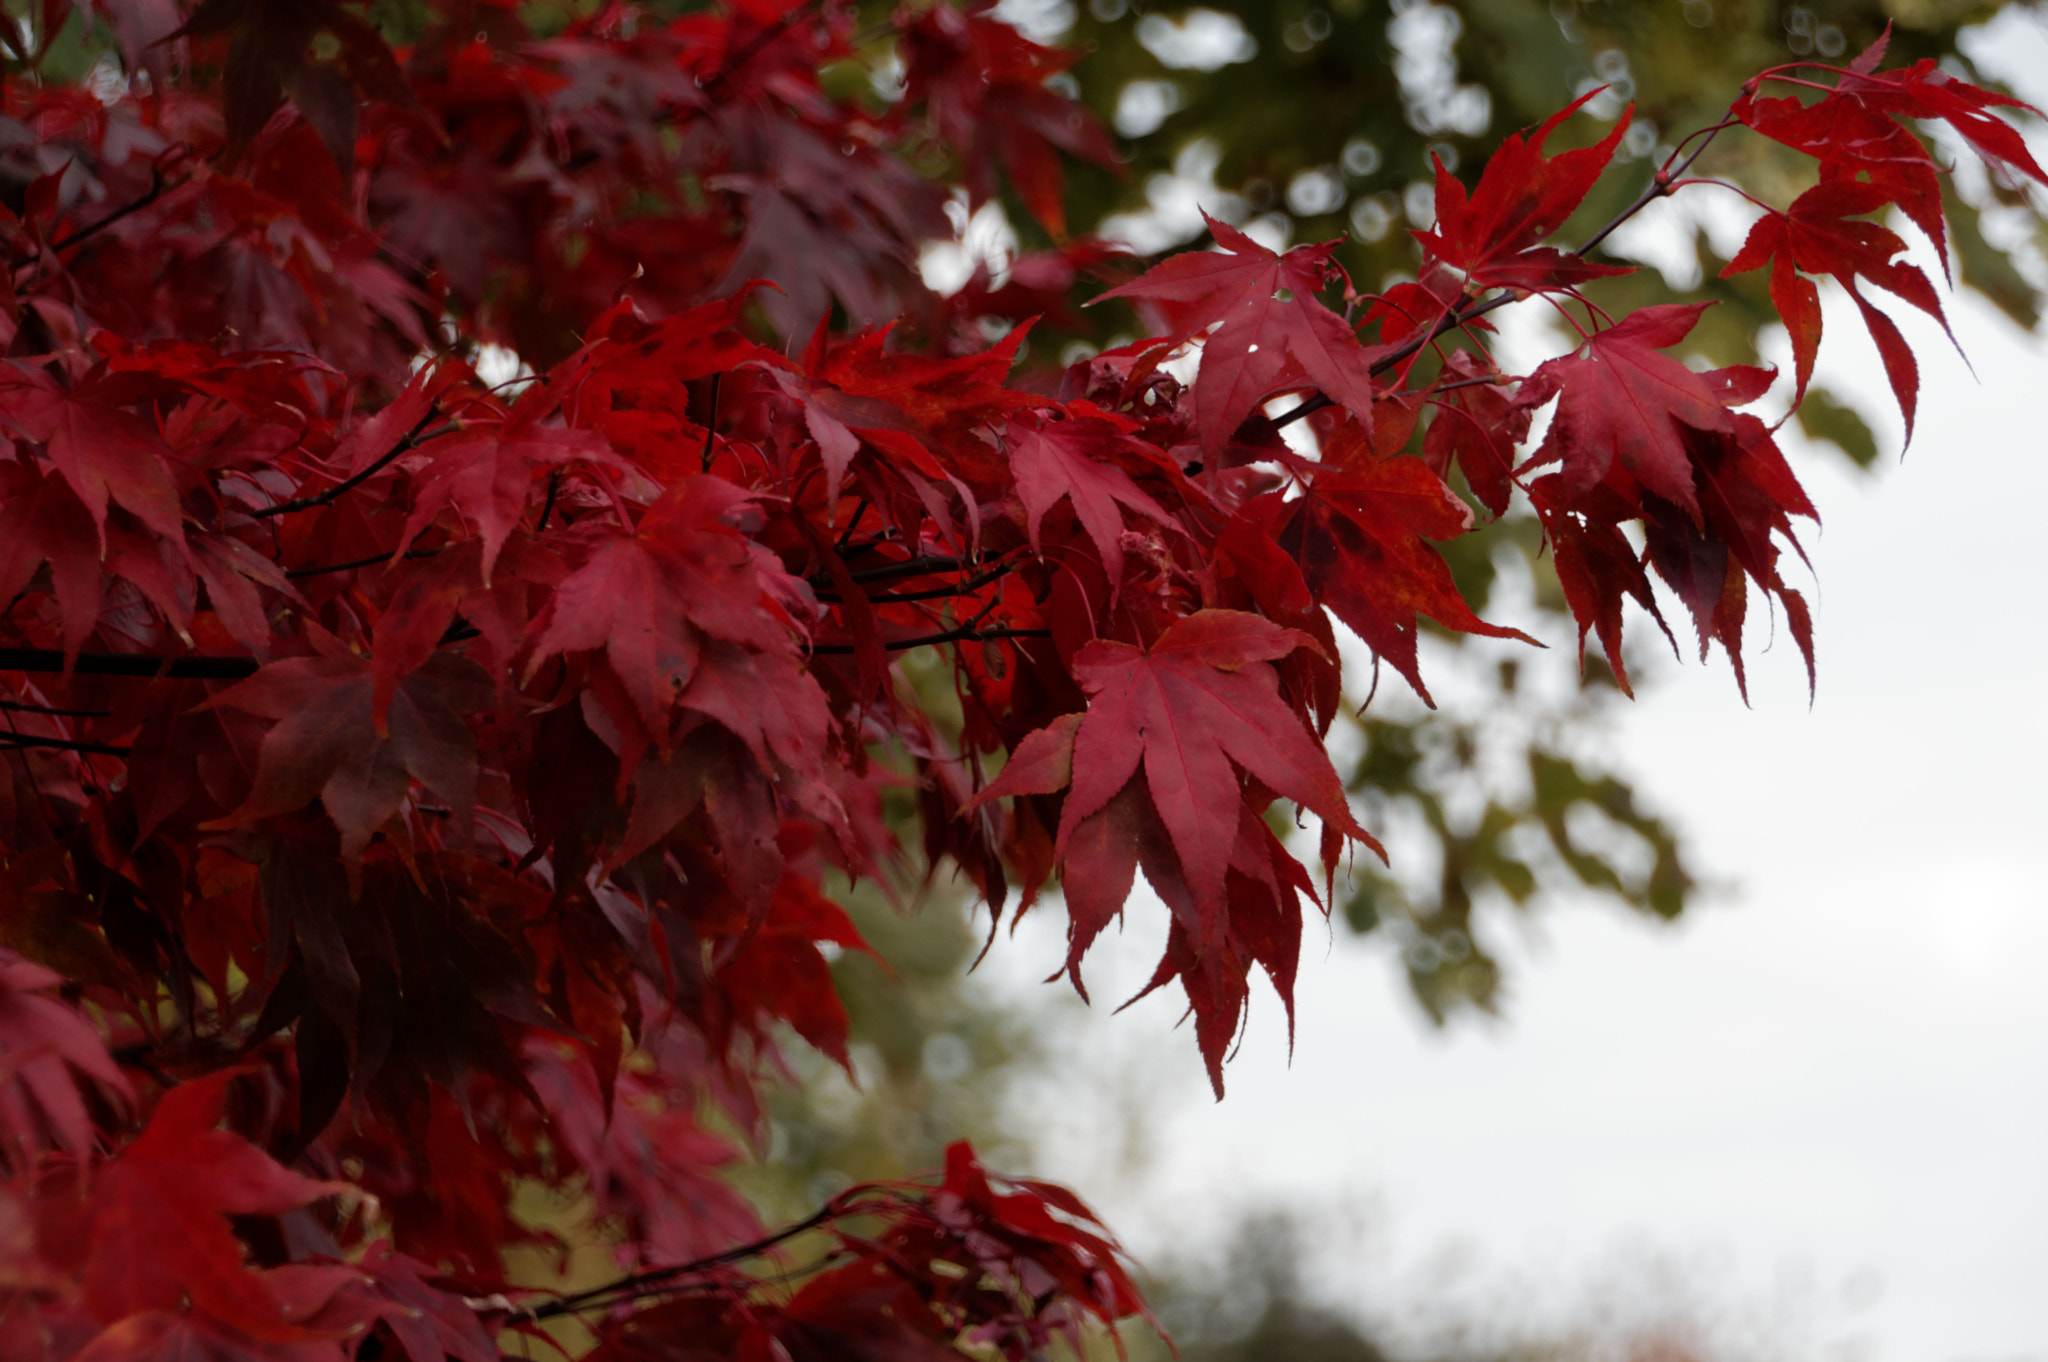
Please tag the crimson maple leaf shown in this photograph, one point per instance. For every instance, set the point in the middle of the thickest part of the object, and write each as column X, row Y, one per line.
column 1359, row 531
column 1477, row 426
column 651, row 600
column 1822, row 234
column 429, row 1323
column 1196, row 707
column 1270, row 332
column 1522, row 197
column 652, row 1167
column 43, row 520
column 177, row 1184
column 106, row 452
column 42, row 1039
column 1055, row 459
column 1623, row 403
column 1596, row 565
column 487, row 473
column 327, row 742
column 1853, row 131
column 984, row 84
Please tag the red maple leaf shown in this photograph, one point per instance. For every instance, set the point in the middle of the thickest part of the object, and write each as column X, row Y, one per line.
column 1522, row 197
column 177, row 1184
column 651, row 599
column 1270, row 335
column 106, row 452
column 1360, row 531
column 1196, row 707
column 1477, row 426
column 1074, row 459
column 42, row 1040
column 1623, row 403
column 650, row 1165
column 1822, row 234
column 984, row 84
column 487, row 472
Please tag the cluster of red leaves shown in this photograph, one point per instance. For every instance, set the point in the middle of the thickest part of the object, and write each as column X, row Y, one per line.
column 427, row 788
column 995, row 1248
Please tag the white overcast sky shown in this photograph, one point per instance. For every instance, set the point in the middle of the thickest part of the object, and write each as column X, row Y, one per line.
column 1817, row 1110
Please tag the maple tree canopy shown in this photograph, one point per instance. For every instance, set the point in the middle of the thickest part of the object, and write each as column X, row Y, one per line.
column 414, row 789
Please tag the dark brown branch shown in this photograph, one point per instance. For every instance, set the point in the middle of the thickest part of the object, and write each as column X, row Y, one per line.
column 23, row 707
column 296, row 573
column 158, row 186
column 710, row 425
column 547, row 508
column 129, row 664
column 412, row 440
column 969, row 634
column 19, row 740
column 660, row 1277
column 935, row 593
column 909, row 567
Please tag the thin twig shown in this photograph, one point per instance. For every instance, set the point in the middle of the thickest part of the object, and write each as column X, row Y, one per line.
column 23, row 707
column 711, row 422
column 1660, row 186
column 936, row 593
column 969, row 634
column 129, row 664
column 411, row 440
column 735, row 61
column 910, row 567
column 158, row 186
column 639, row 1282
column 295, row 574
column 99, row 749
column 547, row 508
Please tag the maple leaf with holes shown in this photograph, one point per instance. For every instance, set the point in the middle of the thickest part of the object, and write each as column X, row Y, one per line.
column 328, row 744
column 1822, row 233
column 1359, row 531
column 1270, row 334
column 1522, row 197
